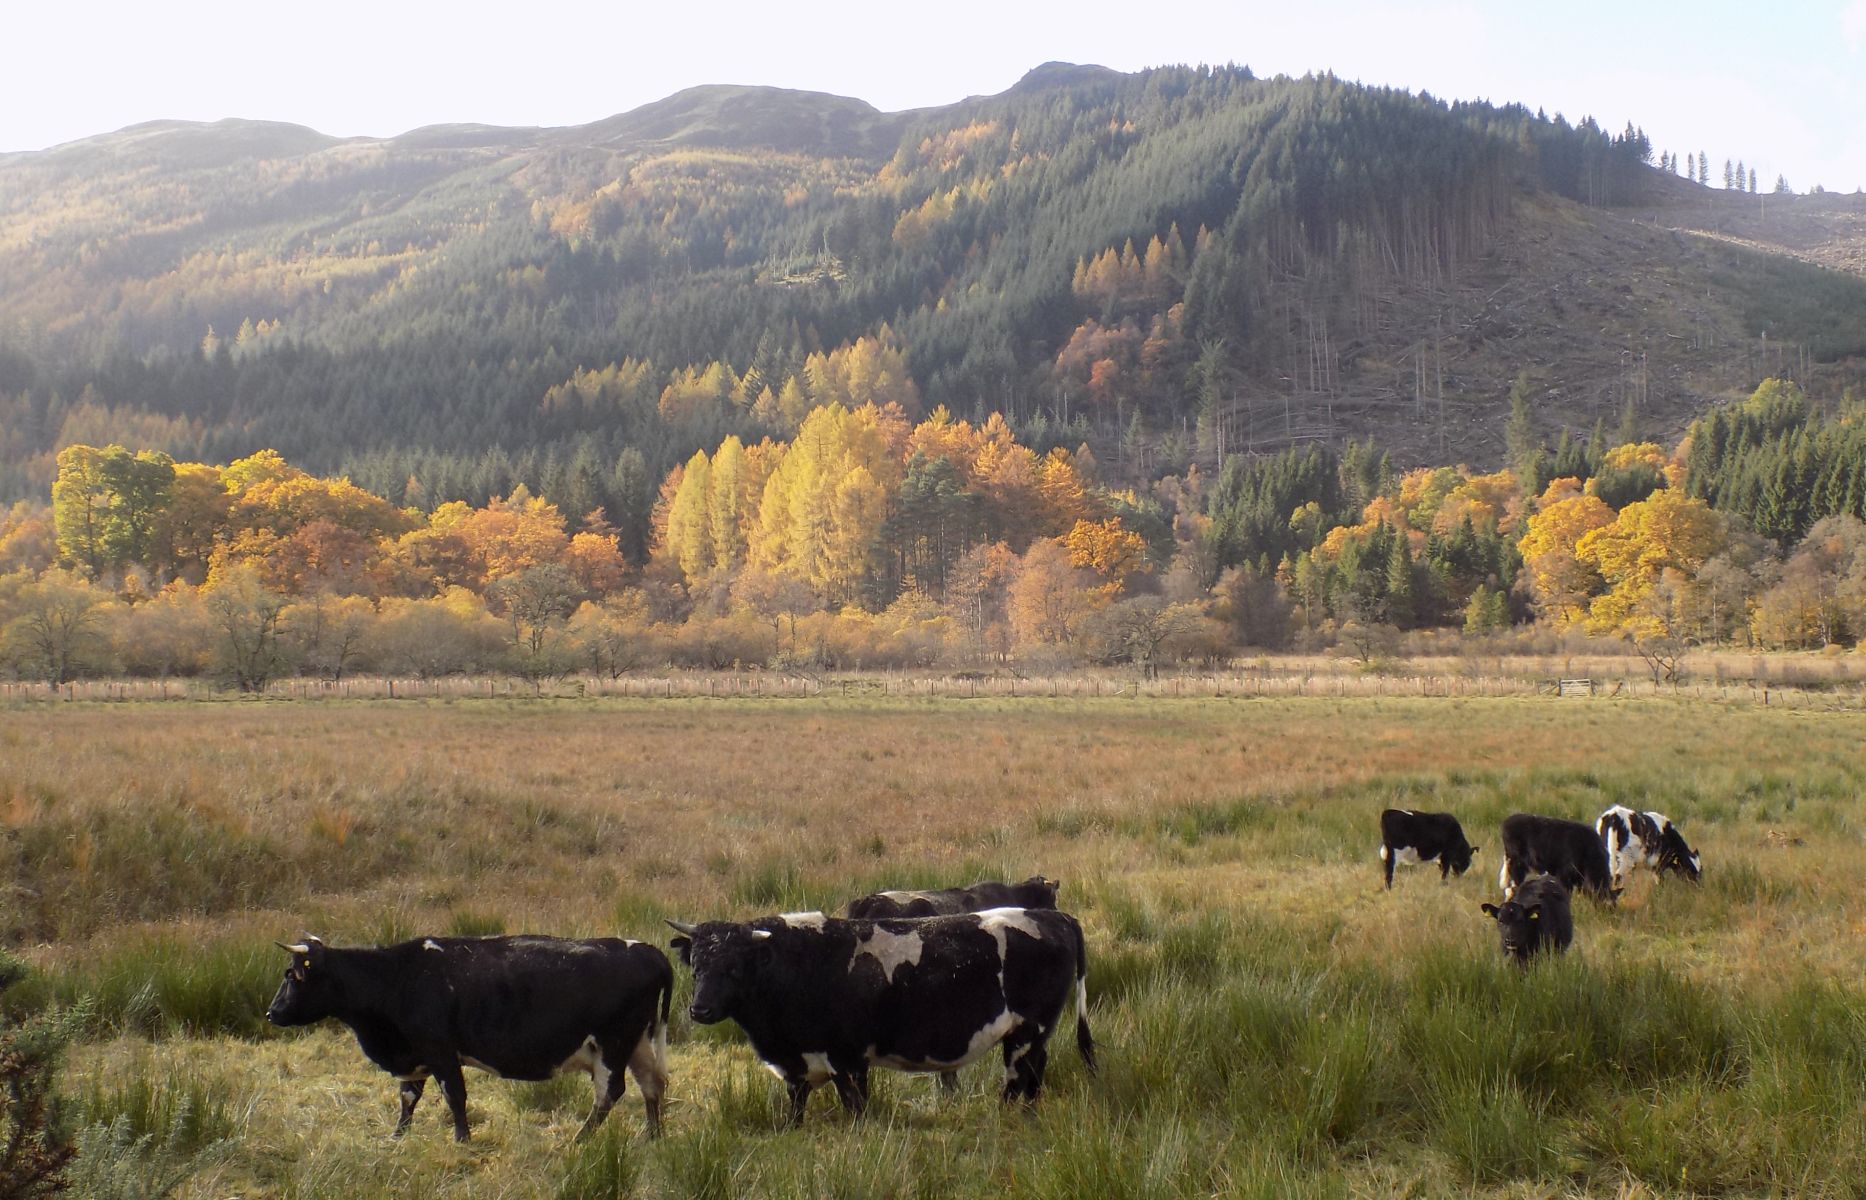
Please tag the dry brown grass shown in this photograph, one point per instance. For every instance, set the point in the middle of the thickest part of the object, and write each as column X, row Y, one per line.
column 233, row 824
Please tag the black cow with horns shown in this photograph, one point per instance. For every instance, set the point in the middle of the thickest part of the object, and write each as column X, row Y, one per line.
column 824, row 999
column 524, row 1007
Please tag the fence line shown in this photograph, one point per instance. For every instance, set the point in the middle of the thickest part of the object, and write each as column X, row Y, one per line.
column 1242, row 684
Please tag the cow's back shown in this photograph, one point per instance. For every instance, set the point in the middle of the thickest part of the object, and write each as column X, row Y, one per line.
column 521, row 1005
column 1569, row 850
column 883, row 906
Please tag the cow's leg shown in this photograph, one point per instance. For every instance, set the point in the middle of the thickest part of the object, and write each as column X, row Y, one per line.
column 1444, row 867
column 1387, row 854
column 799, row 1089
column 949, row 1082
column 651, row 1077
column 1024, row 1058
column 608, row 1080
column 852, row 1086
column 411, row 1096
column 447, row 1073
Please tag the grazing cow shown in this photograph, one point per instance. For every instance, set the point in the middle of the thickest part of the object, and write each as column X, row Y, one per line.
column 1536, row 918
column 1035, row 892
column 1648, row 839
column 823, row 999
column 1415, row 837
column 1568, row 850
column 520, row 1007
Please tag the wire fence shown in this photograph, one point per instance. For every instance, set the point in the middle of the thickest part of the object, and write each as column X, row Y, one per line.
column 1245, row 684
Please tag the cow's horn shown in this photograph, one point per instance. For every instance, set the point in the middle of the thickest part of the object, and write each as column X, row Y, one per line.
column 298, row 949
column 683, row 927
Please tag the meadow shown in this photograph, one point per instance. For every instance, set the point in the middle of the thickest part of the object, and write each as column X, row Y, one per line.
column 1271, row 1022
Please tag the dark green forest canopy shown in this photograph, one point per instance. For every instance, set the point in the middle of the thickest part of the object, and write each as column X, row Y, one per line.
column 401, row 309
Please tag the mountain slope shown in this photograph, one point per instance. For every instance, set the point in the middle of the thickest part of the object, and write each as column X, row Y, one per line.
column 1331, row 261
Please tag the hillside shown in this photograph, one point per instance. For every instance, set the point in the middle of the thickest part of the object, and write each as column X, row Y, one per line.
column 1178, row 263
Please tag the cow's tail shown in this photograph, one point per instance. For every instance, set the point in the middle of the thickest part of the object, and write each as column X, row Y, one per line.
column 1085, row 1041
column 660, row 1023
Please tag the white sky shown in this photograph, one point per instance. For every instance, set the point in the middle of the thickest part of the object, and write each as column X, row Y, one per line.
column 1780, row 85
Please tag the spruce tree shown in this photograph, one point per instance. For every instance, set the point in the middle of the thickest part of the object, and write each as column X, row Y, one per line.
column 1523, row 448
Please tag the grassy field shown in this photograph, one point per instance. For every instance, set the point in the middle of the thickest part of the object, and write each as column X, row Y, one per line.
column 1272, row 1023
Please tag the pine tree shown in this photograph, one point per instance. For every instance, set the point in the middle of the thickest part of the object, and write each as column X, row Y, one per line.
column 1519, row 436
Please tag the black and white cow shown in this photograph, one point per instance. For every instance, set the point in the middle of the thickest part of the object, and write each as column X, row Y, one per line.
column 824, row 999
column 1644, row 839
column 1415, row 837
column 1568, row 850
column 523, row 1007
column 1535, row 919
column 1035, row 892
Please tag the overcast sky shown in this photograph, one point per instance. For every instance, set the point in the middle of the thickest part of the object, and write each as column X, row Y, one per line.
column 1778, row 85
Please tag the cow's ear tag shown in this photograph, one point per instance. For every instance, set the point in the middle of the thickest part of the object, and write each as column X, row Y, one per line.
column 1535, row 914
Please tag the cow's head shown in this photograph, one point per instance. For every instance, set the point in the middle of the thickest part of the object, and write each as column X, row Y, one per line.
column 309, row 992
column 1519, row 925
column 723, row 955
column 1039, row 891
column 1677, row 857
column 1459, row 858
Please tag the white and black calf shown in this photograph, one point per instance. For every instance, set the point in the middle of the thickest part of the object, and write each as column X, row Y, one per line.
column 824, row 999
column 1644, row 839
column 523, row 1007
column 1568, row 850
column 1035, row 892
column 1417, row 837
column 1536, row 919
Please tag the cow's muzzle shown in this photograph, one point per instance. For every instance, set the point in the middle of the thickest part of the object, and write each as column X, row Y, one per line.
column 704, row 1014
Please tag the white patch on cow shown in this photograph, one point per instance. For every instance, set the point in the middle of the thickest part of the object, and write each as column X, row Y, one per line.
column 1016, row 1056
column 630, row 942
column 996, row 921
column 587, row 1058
column 1503, row 878
column 816, row 1067
column 993, row 1032
column 431, row 944
column 1082, row 997
column 803, row 920
column 890, row 950
column 648, row 1064
column 1383, row 851
column 778, row 1071
column 906, row 897
column 1406, row 856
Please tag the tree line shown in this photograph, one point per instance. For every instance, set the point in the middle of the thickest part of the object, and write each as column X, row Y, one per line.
column 870, row 538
